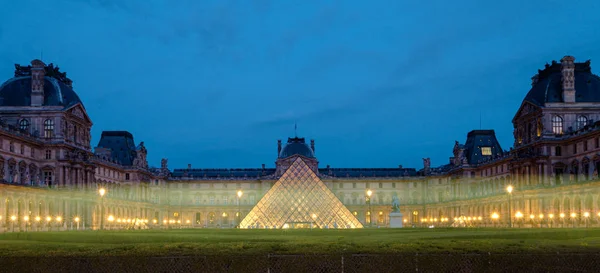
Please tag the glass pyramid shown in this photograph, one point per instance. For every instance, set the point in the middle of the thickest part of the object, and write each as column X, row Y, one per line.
column 299, row 199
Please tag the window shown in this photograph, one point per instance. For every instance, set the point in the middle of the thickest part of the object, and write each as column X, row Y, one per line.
column 22, row 149
column 198, row 220
column 574, row 148
column 48, row 178
column 581, row 122
column 252, row 199
column 24, row 125
column 32, row 152
column 341, row 185
column 48, row 154
column 440, row 196
column 380, row 185
column 557, row 125
column 585, row 145
column 394, row 185
column 597, row 142
column 354, row 185
column 126, row 176
column 224, row 200
column 75, row 133
column 211, row 200
column 557, row 151
column 11, row 148
column 486, row 150
column 49, row 128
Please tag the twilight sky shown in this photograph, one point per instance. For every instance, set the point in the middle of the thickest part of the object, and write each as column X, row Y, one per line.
column 375, row 83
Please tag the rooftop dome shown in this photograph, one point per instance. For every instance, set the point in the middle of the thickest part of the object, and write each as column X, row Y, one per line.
column 296, row 146
column 547, row 84
column 57, row 88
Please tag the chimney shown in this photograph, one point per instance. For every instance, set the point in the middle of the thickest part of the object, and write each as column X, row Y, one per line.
column 263, row 166
column 399, row 166
column 37, row 82
column 189, row 166
column 312, row 145
column 567, row 70
column 278, row 147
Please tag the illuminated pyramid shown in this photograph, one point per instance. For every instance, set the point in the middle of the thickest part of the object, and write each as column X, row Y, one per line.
column 299, row 199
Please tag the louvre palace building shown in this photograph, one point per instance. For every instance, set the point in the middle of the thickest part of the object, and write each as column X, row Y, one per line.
column 54, row 178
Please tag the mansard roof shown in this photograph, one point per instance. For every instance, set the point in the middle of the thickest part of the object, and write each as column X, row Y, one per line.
column 58, row 90
column 548, row 85
column 121, row 145
column 477, row 139
column 296, row 146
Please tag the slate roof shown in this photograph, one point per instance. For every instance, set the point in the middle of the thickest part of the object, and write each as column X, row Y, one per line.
column 222, row 173
column 549, row 85
column 296, row 146
column 368, row 172
column 259, row 172
column 17, row 92
column 121, row 145
column 481, row 138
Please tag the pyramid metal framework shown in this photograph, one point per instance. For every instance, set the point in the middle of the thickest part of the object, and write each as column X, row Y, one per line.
column 299, row 199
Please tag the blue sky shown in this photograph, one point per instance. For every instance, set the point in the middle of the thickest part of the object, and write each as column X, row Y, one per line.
column 375, row 83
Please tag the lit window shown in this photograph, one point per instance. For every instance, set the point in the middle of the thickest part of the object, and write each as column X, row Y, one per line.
column 557, row 125
column 486, row 150
column 24, row 124
column 48, row 128
column 581, row 122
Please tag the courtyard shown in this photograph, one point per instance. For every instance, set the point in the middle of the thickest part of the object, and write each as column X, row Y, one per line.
column 259, row 250
column 186, row 242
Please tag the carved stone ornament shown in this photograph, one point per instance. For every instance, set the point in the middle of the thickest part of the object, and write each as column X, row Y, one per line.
column 78, row 113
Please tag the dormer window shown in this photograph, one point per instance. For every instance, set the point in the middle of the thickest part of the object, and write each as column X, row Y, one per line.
column 581, row 122
column 557, row 125
column 24, row 124
column 486, row 150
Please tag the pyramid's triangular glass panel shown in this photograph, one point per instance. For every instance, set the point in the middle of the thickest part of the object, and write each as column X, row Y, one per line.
column 299, row 199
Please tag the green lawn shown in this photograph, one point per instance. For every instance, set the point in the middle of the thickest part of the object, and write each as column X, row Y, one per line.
column 258, row 242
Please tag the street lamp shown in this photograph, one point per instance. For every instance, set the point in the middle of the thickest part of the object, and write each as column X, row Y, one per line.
column 562, row 219
column 26, row 218
column 519, row 215
column 239, row 195
column 77, row 222
column 573, row 215
column 369, row 193
column 110, row 220
column 58, row 220
column 495, row 216
column 586, row 215
column 101, row 191
column 12, row 222
column 551, row 217
column 37, row 222
column 509, row 189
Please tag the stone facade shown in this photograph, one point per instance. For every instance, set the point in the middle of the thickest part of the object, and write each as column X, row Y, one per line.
column 48, row 169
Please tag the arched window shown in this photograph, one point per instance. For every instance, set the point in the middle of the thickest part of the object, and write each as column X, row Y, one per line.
column 48, row 128
column 581, row 122
column 557, row 125
column 24, row 124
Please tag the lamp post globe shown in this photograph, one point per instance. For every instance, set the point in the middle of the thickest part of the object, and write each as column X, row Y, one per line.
column 239, row 214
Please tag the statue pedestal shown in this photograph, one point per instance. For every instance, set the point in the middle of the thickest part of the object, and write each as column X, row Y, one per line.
column 396, row 220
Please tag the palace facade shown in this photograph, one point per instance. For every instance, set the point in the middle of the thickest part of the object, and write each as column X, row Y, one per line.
column 51, row 175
